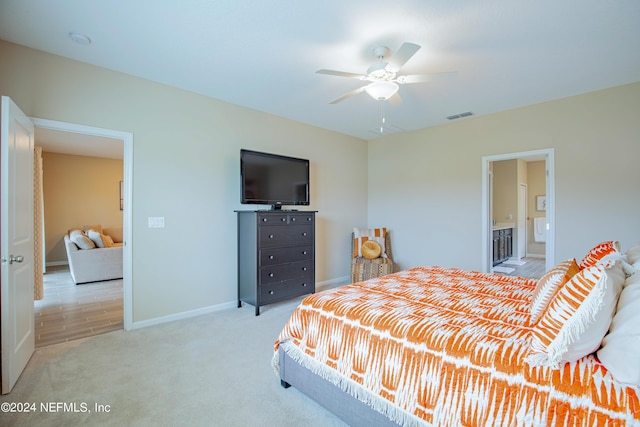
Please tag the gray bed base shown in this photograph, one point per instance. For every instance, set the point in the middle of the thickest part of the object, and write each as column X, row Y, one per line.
column 346, row 407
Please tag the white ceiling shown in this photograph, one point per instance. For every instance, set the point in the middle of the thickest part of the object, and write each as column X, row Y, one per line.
column 264, row 54
column 78, row 144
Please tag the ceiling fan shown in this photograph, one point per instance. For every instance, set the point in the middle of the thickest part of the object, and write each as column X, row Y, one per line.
column 383, row 76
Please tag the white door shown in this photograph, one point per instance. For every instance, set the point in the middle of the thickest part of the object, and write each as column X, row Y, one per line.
column 16, row 242
column 522, row 221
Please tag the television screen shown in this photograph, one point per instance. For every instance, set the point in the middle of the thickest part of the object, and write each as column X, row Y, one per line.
column 272, row 179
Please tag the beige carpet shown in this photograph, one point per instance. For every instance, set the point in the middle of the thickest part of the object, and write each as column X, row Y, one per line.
column 213, row 370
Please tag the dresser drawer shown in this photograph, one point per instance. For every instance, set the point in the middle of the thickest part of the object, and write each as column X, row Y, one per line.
column 300, row 218
column 273, row 219
column 282, row 272
column 288, row 289
column 274, row 236
column 273, row 256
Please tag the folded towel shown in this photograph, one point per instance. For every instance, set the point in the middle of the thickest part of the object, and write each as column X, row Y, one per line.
column 540, row 229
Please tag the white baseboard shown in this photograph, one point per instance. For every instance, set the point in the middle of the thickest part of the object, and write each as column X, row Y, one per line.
column 184, row 315
column 56, row 263
column 320, row 286
column 332, row 283
column 536, row 255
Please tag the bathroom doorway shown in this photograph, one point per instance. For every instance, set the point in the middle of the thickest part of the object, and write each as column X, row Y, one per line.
column 503, row 213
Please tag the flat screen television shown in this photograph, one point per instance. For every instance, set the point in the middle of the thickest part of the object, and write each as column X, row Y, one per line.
column 272, row 179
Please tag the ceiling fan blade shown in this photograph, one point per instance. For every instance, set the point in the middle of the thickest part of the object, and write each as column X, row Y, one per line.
column 342, row 74
column 348, row 95
column 402, row 55
column 423, row 78
column 396, row 99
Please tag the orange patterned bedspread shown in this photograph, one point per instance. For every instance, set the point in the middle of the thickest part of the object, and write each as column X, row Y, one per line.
column 443, row 346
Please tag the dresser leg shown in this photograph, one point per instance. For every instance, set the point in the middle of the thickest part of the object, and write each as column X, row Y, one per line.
column 257, row 310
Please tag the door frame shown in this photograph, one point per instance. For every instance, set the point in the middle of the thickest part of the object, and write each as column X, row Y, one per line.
column 523, row 208
column 548, row 155
column 127, row 139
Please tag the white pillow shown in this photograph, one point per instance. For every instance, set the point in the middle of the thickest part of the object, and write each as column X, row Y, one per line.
column 96, row 238
column 620, row 351
column 628, row 268
column 81, row 241
column 633, row 254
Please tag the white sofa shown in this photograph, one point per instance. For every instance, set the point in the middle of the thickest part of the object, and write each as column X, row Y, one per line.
column 93, row 265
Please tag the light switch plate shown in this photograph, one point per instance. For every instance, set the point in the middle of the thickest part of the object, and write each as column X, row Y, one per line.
column 156, row 222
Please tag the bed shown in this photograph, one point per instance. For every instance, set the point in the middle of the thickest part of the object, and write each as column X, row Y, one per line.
column 444, row 346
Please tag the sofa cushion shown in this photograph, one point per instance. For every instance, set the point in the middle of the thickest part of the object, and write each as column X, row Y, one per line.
column 81, row 240
column 96, row 238
column 108, row 241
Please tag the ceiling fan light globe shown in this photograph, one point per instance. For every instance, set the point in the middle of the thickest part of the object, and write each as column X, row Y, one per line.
column 381, row 90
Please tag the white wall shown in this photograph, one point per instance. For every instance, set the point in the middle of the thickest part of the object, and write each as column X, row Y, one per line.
column 427, row 184
column 186, row 169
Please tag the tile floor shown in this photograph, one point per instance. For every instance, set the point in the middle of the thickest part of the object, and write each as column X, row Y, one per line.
column 70, row 311
column 532, row 267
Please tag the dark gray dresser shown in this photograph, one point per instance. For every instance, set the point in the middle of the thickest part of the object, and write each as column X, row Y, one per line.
column 276, row 256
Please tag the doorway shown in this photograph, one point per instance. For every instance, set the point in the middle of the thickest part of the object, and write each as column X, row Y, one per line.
column 547, row 155
column 127, row 158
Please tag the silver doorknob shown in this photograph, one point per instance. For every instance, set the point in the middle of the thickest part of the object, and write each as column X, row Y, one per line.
column 13, row 259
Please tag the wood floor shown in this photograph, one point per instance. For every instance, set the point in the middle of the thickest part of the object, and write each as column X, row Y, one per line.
column 70, row 311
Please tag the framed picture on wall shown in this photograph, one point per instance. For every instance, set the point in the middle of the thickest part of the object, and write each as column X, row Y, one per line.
column 541, row 203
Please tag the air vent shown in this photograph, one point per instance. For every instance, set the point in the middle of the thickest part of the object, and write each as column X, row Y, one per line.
column 386, row 130
column 459, row 116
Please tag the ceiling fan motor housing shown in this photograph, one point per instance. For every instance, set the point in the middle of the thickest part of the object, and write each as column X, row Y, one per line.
column 380, row 51
column 378, row 71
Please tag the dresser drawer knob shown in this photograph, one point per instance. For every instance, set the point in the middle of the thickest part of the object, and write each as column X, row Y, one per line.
column 304, row 234
column 271, row 236
column 270, row 256
column 304, row 252
column 293, row 219
column 304, row 268
column 304, row 285
column 283, row 219
column 264, row 219
column 271, row 292
column 270, row 274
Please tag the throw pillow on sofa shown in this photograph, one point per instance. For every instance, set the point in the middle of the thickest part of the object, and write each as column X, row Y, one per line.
column 108, row 241
column 101, row 240
column 96, row 238
column 81, row 240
